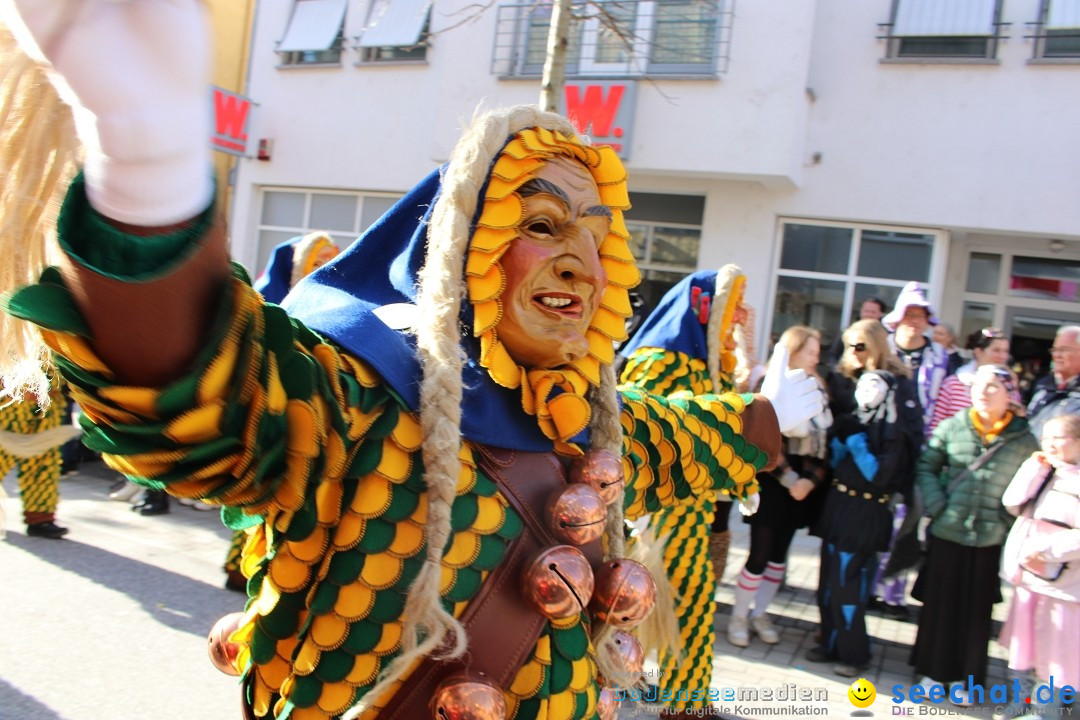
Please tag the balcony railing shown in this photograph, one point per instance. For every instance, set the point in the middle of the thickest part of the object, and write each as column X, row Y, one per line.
column 628, row 38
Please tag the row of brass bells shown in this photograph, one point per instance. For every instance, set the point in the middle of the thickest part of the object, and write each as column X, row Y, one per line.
column 560, row 583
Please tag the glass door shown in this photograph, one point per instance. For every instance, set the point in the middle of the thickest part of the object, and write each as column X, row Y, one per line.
column 1031, row 333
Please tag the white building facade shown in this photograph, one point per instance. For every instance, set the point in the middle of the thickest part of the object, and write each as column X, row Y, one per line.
column 833, row 149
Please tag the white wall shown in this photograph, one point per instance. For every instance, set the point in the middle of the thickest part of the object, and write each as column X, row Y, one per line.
column 968, row 148
column 383, row 128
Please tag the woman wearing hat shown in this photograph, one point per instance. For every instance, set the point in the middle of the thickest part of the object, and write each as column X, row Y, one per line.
column 968, row 463
column 908, row 321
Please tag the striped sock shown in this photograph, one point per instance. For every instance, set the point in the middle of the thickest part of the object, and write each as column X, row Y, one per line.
column 745, row 588
column 770, row 583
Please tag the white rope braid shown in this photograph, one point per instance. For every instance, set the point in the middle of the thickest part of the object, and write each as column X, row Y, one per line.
column 429, row 629
column 39, row 154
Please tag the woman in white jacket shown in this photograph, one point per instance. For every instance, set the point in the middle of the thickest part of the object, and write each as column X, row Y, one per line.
column 1042, row 559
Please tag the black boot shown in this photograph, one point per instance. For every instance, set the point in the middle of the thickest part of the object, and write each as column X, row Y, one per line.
column 155, row 502
column 48, row 529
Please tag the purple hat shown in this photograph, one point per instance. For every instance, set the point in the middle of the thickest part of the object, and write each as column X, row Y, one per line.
column 911, row 295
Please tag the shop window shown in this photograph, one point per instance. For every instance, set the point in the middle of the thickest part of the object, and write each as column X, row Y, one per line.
column 826, row 270
column 665, row 237
column 1045, row 278
column 286, row 214
column 984, row 273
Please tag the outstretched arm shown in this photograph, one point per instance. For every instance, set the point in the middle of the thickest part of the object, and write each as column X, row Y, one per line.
column 144, row 259
column 677, row 447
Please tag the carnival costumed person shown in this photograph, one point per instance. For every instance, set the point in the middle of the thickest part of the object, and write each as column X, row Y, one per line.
column 31, row 435
column 292, row 261
column 402, row 481
column 32, row 406
column 687, row 346
column 289, row 263
column 873, row 441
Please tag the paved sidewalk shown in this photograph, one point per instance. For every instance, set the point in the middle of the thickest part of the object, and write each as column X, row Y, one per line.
column 157, row 581
column 794, row 612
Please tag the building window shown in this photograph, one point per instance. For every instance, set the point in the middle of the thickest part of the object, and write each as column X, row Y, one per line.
column 1057, row 32
column 944, row 29
column 286, row 214
column 396, row 31
column 314, row 35
column 826, row 270
column 665, row 236
column 626, row 38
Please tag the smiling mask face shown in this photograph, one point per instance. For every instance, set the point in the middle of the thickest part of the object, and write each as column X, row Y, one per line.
column 554, row 279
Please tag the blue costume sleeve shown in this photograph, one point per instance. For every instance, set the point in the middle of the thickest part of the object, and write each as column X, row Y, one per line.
column 838, row 451
column 860, row 451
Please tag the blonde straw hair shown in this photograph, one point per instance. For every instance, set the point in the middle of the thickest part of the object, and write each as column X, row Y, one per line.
column 429, row 629
column 39, row 154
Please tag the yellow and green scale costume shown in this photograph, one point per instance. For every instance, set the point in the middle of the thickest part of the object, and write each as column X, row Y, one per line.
column 38, row 475
column 310, row 447
column 306, row 444
column 684, row 528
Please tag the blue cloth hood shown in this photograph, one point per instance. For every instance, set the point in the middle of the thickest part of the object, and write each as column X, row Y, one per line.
column 674, row 324
column 273, row 284
column 339, row 301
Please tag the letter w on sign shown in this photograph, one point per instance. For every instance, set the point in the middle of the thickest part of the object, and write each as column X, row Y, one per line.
column 603, row 110
column 231, row 115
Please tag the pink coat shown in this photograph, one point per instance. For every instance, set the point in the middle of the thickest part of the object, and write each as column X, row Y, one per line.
column 1051, row 529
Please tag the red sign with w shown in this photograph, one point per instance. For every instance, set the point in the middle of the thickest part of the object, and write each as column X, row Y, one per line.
column 231, row 115
column 603, row 110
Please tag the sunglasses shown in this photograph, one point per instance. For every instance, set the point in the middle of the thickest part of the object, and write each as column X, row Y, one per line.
column 858, row 347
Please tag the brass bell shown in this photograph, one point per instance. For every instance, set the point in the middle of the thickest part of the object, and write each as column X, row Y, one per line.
column 607, row 707
column 625, row 593
column 558, row 581
column 222, row 652
column 468, row 696
column 576, row 515
column 630, row 657
column 602, row 470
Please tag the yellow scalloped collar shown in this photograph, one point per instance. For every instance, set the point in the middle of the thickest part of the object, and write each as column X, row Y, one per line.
column 728, row 361
column 565, row 415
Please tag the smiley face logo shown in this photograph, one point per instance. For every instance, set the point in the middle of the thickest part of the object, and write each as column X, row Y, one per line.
column 862, row 693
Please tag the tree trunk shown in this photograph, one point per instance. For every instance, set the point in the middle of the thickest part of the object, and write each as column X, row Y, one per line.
column 554, row 78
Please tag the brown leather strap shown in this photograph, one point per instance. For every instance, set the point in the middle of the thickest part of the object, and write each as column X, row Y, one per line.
column 502, row 627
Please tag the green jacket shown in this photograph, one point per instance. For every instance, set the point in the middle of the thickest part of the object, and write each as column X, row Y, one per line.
column 972, row 513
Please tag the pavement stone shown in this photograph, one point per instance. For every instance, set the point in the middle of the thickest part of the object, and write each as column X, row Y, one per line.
column 795, row 614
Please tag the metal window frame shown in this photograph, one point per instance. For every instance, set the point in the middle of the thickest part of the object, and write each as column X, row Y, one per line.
column 510, row 47
column 1040, row 33
column 893, row 42
column 851, row 278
